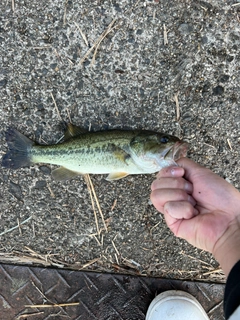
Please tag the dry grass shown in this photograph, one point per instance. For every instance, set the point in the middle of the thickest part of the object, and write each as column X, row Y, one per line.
column 56, row 107
column 118, row 264
column 94, row 199
column 165, row 38
column 230, row 145
column 18, row 226
column 82, row 34
column 175, row 98
column 97, row 43
column 55, row 305
column 27, row 315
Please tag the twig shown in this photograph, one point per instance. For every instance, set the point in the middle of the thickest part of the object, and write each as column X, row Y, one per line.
column 56, row 107
column 65, row 13
column 13, row 5
column 82, row 34
column 205, row 9
column 131, row 263
column 207, row 144
column 89, row 263
column 26, row 315
column 69, row 116
column 41, row 293
column 33, row 229
column 165, row 38
column 41, row 48
column 229, row 143
column 58, row 56
column 115, row 248
column 56, row 305
column 19, row 227
column 94, row 236
column 154, row 227
column 116, row 257
column 61, row 138
column 114, row 204
column 107, row 31
column 50, row 190
column 195, row 258
column 38, row 255
column 154, row 15
column 98, row 41
column 29, row 260
column 97, row 202
column 175, row 98
column 213, row 271
column 13, row 228
column 86, row 177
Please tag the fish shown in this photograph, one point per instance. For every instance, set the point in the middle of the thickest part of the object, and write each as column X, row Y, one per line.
column 118, row 153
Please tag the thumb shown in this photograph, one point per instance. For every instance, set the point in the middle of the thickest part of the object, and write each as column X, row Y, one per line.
column 190, row 167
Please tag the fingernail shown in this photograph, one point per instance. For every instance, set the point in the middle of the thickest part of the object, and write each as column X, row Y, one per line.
column 174, row 170
column 188, row 187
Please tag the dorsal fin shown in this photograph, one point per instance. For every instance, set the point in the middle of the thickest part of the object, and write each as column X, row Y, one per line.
column 73, row 131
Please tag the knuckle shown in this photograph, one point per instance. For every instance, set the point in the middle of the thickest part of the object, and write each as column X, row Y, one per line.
column 178, row 183
column 154, row 197
column 188, row 210
column 156, row 200
column 182, row 194
column 164, row 172
column 154, row 185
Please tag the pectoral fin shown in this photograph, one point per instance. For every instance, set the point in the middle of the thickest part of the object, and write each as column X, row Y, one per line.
column 121, row 155
column 73, row 131
column 62, row 173
column 116, row 176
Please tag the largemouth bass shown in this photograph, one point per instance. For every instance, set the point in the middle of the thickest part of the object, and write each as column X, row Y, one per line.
column 115, row 152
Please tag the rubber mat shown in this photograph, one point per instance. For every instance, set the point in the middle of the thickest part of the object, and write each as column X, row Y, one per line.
column 28, row 293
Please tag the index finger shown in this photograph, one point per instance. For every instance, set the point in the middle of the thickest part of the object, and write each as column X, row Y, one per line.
column 172, row 171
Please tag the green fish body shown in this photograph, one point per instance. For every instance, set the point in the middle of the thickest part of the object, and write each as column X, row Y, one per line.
column 115, row 152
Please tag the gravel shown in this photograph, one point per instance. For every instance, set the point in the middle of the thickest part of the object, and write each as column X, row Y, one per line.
column 132, row 84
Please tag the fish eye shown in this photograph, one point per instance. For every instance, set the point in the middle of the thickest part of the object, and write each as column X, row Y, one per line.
column 164, row 139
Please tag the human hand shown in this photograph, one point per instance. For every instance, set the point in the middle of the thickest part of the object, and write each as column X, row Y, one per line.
column 200, row 207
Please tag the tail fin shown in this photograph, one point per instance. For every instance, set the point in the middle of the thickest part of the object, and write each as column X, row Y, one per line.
column 19, row 146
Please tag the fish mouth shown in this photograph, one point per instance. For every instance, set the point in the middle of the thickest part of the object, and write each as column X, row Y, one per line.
column 179, row 150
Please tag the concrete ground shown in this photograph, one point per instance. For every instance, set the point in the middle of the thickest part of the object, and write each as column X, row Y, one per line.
column 154, row 53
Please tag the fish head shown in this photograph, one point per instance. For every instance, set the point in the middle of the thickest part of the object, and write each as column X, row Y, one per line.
column 178, row 150
column 152, row 150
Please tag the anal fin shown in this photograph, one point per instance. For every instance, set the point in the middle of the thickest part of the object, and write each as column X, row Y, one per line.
column 62, row 173
column 116, row 176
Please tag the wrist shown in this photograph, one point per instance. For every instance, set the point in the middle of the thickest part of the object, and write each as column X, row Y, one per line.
column 227, row 248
